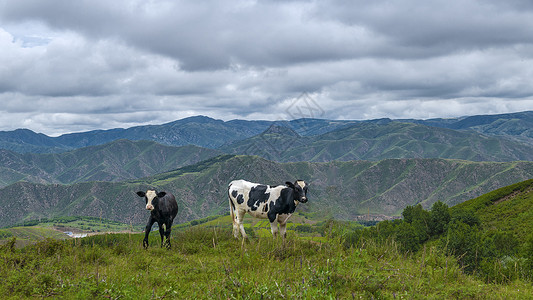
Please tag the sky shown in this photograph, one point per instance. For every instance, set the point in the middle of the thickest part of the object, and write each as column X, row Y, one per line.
column 78, row 65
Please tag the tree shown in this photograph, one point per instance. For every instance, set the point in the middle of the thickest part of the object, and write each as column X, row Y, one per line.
column 439, row 218
column 464, row 242
column 419, row 219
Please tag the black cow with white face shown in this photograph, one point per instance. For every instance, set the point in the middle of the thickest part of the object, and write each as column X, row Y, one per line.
column 263, row 201
column 163, row 209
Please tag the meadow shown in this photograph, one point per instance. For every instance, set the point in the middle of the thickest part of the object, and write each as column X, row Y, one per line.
column 206, row 262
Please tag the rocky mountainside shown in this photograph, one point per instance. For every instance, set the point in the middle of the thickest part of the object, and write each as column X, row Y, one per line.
column 117, row 161
column 343, row 189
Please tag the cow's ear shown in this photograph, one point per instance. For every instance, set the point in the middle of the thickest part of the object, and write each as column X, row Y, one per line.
column 141, row 194
column 289, row 184
column 161, row 194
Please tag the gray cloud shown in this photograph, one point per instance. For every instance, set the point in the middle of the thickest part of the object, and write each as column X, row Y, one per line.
column 80, row 65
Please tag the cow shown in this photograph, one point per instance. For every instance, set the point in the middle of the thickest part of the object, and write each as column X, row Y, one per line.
column 277, row 203
column 163, row 209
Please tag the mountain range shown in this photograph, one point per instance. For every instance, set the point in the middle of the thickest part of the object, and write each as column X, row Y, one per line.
column 211, row 133
column 376, row 141
column 353, row 167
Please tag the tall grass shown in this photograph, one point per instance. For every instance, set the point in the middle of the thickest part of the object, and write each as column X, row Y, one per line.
column 208, row 263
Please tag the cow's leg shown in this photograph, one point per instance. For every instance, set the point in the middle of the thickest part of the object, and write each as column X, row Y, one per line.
column 283, row 229
column 235, row 226
column 274, row 227
column 161, row 231
column 239, row 217
column 147, row 231
column 282, row 219
column 167, row 233
column 233, row 218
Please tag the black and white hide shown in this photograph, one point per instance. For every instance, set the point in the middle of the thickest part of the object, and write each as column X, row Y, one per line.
column 277, row 203
column 163, row 209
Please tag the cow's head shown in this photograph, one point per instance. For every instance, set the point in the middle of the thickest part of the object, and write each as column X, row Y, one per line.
column 300, row 190
column 151, row 197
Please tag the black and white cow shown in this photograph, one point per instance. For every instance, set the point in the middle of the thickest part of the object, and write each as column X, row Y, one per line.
column 276, row 203
column 163, row 209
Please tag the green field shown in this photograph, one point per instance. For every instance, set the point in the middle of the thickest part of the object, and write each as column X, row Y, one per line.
column 207, row 263
column 37, row 230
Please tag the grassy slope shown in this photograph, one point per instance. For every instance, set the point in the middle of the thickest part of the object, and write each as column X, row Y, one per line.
column 506, row 209
column 209, row 263
column 26, row 234
column 29, row 235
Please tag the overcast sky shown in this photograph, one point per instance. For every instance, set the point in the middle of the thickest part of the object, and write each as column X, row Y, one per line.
column 70, row 66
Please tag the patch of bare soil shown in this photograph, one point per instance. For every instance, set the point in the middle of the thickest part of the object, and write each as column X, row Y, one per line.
column 512, row 195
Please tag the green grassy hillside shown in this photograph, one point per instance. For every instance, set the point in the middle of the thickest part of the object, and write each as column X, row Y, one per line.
column 207, row 263
column 490, row 236
column 23, row 236
column 509, row 209
column 464, row 252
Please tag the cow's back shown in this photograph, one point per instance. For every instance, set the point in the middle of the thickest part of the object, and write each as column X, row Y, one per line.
column 168, row 205
column 241, row 184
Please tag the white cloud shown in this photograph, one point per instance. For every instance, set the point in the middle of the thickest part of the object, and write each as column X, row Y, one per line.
column 80, row 65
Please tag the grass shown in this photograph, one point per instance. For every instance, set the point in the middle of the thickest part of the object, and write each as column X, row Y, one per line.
column 29, row 234
column 506, row 209
column 208, row 263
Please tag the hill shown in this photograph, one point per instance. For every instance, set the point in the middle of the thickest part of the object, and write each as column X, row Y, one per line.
column 342, row 189
column 117, row 161
column 507, row 209
column 381, row 140
column 490, row 236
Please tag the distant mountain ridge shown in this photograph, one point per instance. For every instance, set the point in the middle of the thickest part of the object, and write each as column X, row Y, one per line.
column 517, row 126
column 381, row 140
column 207, row 132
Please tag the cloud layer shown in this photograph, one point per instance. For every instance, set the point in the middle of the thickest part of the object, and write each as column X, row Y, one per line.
column 80, row 65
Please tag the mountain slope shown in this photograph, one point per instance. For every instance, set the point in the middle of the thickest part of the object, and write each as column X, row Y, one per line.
column 116, row 161
column 507, row 209
column 382, row 140
column 27, row 141
column 344, row 189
